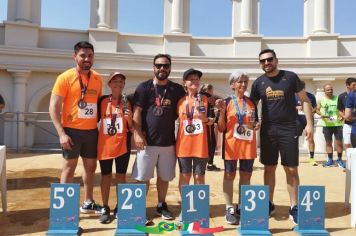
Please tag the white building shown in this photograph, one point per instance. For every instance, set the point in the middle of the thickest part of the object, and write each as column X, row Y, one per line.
column 32, row 56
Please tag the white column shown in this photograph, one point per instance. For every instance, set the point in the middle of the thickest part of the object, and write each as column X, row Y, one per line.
column 246, row 17
column 104, row 14
column 19, row 98
column 321, row 17
column 23, row 11
column 177, row 16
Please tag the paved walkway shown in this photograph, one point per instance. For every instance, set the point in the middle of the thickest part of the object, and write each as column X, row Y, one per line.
column 29, row 177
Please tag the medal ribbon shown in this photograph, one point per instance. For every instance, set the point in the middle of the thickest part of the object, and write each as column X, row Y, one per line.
column 190, row 114
column 83, row 88
column 240, row 115
column 159, row 99
column 113, row 116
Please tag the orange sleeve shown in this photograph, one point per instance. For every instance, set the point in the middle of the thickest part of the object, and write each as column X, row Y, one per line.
column 60, row 87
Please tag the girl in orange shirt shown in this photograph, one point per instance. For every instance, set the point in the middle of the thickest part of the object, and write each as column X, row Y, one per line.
column 115, row 118
column 238, row 121
column 192, row 140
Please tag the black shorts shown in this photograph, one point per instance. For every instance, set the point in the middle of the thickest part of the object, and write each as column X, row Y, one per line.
column 121, row 164
column 279, row 139
column 84, row 143
column 330, row 131
column 245, row 165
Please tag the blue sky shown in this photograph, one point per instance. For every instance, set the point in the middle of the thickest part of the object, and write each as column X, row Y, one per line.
column 208, row 17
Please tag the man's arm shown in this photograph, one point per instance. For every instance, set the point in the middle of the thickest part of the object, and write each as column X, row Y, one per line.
column 307, row 108
column 348, row 114
column 55, row 107
column 139, row 138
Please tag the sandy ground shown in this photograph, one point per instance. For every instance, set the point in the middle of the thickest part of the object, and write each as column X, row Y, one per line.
column 29, row 177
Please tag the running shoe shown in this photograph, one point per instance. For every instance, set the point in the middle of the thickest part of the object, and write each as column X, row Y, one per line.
column 312, row 162
column 91, row 207
column 341, row 164
column 293, row 214
column 230, row 216
column 329, row 163
column 164, row 212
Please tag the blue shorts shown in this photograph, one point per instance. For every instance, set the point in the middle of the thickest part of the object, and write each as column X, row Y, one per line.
column 192, row 164
column 244, row 165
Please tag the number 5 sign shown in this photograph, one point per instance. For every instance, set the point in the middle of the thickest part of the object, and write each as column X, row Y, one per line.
column 131, row 208
column 64, row 209
column 311, row 211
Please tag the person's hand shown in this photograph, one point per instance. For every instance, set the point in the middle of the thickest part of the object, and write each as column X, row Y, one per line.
column 65, row 141
column 140, row 141
column 220, row 104
column 128, row 115
column 257, row 126
column 309, row 132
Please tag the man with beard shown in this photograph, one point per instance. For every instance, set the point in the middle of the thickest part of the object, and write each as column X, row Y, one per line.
column 73, row 110
column 155, row 112
column 276, row 89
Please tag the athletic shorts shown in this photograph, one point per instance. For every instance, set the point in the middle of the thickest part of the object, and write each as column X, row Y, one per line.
column 244, row 165
column 164, row 158
column 346, row 133
column 192, row 164
column 121, row 164
column 84, row 143
column 330, row 131
column 279, row 139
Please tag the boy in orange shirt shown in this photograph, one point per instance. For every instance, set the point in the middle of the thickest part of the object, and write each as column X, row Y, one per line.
column 115, row 119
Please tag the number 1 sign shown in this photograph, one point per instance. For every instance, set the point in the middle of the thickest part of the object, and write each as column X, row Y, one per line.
column 64, row 209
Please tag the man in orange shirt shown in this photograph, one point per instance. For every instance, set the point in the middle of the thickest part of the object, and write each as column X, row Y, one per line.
column 75, row 94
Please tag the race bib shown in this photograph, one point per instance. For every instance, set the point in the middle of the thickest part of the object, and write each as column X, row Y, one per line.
column 196, row 127
column 333, row 118
column 118, row 125
column 247, row 134
column 89, row 112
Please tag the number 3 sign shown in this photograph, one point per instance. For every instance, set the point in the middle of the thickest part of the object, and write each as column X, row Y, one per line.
column 64, row 209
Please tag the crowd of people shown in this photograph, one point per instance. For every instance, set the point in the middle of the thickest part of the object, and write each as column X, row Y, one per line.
column 99, row 127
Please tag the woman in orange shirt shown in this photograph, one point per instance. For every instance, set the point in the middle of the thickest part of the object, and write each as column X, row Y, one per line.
column 238, row 121
column 192, row 140
column 115, row 118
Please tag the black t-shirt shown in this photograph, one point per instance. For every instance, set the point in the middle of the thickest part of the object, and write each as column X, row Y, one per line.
column 341, row 103
column 158, row 130
column 277, row 95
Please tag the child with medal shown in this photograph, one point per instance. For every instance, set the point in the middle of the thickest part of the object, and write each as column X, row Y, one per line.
column 192, row 140
column 238, row 121
column 115, row 121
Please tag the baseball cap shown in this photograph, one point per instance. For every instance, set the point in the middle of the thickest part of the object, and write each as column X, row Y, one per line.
column 192, row 71
column 112, row 75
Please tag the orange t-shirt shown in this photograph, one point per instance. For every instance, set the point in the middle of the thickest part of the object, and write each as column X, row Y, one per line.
column 110, row 147
column 191, row 144
column 239, row 146
column 67, row 86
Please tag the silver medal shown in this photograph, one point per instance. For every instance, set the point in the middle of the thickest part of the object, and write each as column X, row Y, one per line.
column 157, row 111
column 82, row 104
column 190, row 128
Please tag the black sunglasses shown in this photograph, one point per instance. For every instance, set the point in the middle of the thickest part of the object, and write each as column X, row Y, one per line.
column 165, row 66
column 269, row 59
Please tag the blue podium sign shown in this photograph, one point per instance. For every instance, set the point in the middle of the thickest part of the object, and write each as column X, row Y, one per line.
column 131, row 208
column 195, row 206
column 254, row 210
column 64, row 209
column 311, row 211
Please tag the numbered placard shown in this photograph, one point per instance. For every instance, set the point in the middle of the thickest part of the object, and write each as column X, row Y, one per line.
column 195, row 204
column 64, row 209
column 254, row 210
column 131, row 208
column 311, row 210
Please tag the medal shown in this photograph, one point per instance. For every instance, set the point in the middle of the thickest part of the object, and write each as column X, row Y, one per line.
column 240, row 114
column 190, row 128
column 240, row 129
column 112, row 130
column 158, row 111
column 82, row 104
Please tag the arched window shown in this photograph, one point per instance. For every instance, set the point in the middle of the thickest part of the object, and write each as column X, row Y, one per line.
column 67, row 14
column 141, row 16
column 345, row 19
column 210, row 18
column 281, row 17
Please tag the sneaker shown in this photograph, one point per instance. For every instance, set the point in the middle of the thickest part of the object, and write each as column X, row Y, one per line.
column 91, row 207
column 230, row 216
column 105, row 215
column 212, row 167
column 312, row 162
column 115, row 212
column 238, row 211
column 293, row 214
column 164, row 212
column 149, row 222
column 329, row 163
column 341, row 164
column 271, row 208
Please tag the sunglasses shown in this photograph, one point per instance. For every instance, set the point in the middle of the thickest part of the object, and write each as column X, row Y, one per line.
column 165, row 66
column 269, row 59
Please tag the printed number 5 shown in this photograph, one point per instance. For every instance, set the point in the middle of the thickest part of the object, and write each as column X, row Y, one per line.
column 59, row 198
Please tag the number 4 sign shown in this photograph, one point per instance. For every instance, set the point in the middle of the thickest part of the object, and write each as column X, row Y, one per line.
column 64, row 210
column 311, row 211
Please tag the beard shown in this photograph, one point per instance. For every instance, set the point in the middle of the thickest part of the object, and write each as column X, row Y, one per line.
column 161, row 76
